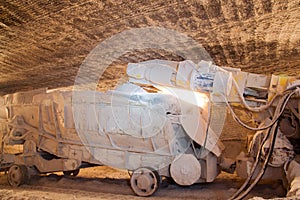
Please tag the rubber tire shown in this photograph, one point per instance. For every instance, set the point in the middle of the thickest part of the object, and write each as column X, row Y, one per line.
column 17, row 175
column 153, row 174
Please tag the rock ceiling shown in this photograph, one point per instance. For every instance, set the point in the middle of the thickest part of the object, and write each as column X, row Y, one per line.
column 43, row 43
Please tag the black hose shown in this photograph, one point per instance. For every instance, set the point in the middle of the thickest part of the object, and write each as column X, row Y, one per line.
column 264, row 167
column 253, row 168
column 278, row 112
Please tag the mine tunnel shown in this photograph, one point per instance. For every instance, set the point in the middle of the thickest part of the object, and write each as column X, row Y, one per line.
column 51, row 44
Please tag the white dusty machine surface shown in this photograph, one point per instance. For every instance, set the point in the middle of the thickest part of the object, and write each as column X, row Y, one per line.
column 166, row 121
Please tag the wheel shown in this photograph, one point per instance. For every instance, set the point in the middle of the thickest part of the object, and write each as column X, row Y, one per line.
column 71, row 173
column 185, row 169
column 144, row 181
column 17, row 175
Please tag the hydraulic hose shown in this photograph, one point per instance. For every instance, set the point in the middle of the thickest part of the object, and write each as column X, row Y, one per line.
column 274, row 124
column 253, row 168
column 264, row 167
column 279, row 110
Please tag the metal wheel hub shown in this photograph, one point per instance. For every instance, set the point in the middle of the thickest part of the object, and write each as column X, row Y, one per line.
column 144, row 181
column 17, row 175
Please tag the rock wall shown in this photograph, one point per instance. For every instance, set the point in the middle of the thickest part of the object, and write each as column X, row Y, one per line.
column 43, row 43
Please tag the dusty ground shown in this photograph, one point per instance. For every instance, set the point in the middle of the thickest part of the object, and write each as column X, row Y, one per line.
column 108, row 183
